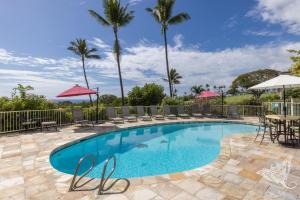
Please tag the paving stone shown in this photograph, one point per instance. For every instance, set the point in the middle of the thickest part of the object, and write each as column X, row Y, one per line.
column 178, row 176
column 26, row 173
column 190, row 185
column 167, row 190
column 209, row 193
column 184, row 196
column 233, row 178
column 250, row 175
column 233, row 162
column 145, row 194
column 233, row 190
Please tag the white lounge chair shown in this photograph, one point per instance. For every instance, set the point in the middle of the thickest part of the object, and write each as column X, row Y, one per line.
column 167, row 112
column 127, row 116
column 141, row 114
column 196, row 111
column 78, row 117
column 154, row 113
column 112, row 116
column 181, row 113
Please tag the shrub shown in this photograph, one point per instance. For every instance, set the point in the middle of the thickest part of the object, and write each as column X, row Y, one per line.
column 172, row 101
column 149, row 94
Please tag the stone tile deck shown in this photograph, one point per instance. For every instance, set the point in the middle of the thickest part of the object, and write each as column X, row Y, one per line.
column 25, row 171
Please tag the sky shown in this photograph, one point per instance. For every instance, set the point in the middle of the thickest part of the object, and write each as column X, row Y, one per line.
column 222, row 40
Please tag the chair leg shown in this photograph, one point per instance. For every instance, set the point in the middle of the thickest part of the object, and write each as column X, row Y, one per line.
column 263, row 136
column 258, row 131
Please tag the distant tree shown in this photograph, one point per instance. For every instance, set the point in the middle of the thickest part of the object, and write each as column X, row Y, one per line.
column 207, row 86
column 107, row 99
column 243, row 82
column 162, row 13
column 116, row 16
column 22, row 100
column 21, row 90
column 295, row 69
column 149, row 94
column 175, row 80
column 197, row 89
column 80, row 48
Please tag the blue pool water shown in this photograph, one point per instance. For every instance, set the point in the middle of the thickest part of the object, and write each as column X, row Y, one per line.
column 152, row 150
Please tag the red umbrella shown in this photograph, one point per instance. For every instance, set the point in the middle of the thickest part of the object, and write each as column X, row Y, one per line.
column 77, row 91
column 207, row 94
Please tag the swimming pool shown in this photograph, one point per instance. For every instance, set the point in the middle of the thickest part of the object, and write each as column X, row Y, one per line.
column 151, row 150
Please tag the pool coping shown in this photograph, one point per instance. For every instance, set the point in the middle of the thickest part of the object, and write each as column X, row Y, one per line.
column 223, row 143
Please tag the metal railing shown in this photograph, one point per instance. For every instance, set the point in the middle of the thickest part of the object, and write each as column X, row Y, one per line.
column 242, row 110
column 277, row 108
column 14, row 121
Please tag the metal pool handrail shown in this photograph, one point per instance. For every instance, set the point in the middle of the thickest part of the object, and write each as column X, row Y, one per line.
column 101, row 187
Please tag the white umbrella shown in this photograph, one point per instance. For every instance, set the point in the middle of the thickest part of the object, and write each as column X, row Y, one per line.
column 282, row 81
column 279, row 82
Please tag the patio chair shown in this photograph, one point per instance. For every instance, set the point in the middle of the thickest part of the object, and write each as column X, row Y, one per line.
column 127, row 116
column 196, row 111
column 263, row 125
column 181, row 112
column 112, row 116
column 294, row 129
column 78, row 117
column 27, row 123
column 154, row 113
column 233, row 113
column 141, row 114
column 207, row 110
column 167, row 112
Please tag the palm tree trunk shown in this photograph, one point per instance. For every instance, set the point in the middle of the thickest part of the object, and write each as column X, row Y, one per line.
column 167, row 60
column 85, row 77
column 119, row 66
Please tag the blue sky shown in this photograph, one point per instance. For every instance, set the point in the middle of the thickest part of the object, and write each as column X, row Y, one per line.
column 221, row 41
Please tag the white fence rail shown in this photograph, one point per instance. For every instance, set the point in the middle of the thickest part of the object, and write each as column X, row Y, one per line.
column 14, row 121
column 277, row 108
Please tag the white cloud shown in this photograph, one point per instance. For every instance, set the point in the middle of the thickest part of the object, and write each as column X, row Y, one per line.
column 178, row 40
column 134, row 2
column 142, row 63
column 263, row 33
column 284, row 12
column 100, row 44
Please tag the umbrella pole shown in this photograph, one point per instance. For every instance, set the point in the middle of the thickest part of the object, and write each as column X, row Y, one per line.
column 222, row 104
column 284, row 102
column 97, row 106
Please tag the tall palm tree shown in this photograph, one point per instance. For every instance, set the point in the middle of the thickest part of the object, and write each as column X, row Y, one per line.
column 80, row 48
column 174, row 79
column 162, row 13
column 116, row 16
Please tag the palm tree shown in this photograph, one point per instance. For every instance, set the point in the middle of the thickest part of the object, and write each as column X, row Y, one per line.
column 174, row 79
column 162, row 13
column 197, row 89
column 80, row 48
column 116, row 16
column 207, row 87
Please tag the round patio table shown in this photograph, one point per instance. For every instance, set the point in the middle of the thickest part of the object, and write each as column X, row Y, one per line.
column 285, row 121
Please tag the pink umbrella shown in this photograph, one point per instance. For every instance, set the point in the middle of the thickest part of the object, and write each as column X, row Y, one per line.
column 207, row 94
column 77, row 91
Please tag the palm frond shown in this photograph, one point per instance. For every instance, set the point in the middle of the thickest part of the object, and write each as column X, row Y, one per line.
column 155, row 13
column 80, row 48
column 93, row 57
column 100, row 19
column 177, row 19
column 168, row 10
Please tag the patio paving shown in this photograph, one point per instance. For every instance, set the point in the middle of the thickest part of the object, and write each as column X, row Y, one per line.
column 26, row 173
